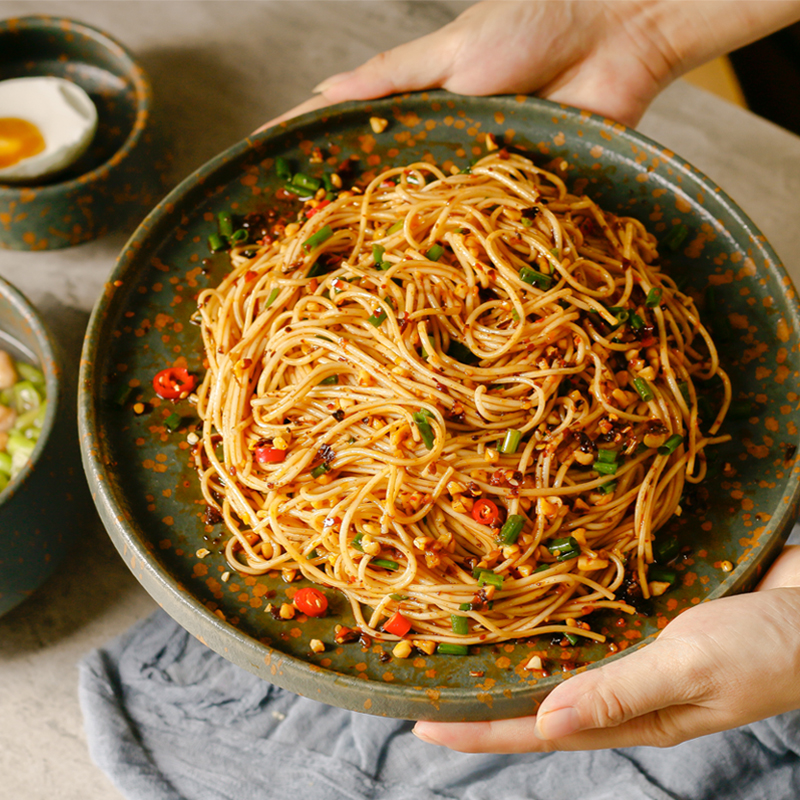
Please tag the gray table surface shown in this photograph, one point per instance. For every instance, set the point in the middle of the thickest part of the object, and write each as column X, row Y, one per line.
column 220, row 69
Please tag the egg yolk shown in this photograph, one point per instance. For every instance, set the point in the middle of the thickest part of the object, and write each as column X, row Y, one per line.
column 19, row 139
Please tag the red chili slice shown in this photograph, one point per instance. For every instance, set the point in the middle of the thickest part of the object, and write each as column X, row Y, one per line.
column 173, row 383
column 311, row 211
column 311, row 602
column 269, row 455
column 398, row 625
column 485, row 511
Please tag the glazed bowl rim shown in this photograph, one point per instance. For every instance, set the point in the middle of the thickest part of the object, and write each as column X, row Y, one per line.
column 132, row 70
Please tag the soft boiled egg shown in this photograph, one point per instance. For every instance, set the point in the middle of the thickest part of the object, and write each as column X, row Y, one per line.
column 46, row 124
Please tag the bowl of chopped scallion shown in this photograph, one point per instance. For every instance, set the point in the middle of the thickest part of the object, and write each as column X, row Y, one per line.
column 36, row 437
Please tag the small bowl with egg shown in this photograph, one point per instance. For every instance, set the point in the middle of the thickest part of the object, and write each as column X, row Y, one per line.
column 77, row 156
column 40, row 495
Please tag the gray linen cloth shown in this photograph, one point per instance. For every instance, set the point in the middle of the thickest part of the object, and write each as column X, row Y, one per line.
column 168, row 719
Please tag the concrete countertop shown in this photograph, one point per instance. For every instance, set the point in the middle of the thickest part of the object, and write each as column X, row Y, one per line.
column 220, row 69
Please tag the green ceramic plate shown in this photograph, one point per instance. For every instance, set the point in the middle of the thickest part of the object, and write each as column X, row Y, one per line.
column 148, row 496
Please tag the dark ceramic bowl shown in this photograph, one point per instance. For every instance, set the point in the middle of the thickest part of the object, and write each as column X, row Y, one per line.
column 38, row 515
column 148, row 494
column 114, row 181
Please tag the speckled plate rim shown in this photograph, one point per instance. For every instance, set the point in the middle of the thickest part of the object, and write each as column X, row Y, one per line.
column 288, row 671
column 142, row 89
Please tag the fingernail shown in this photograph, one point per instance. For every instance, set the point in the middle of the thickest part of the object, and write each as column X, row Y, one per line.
column 332, row 81
column 558, row 723
column 419, row 731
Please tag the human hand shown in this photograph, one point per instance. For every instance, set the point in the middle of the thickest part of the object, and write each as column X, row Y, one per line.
column 717, row 666
column 608, row 56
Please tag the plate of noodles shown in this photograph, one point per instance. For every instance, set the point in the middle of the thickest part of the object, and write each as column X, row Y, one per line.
column 418, row 406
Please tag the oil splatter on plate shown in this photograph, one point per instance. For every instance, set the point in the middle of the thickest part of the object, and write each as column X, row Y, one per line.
column 148, row 496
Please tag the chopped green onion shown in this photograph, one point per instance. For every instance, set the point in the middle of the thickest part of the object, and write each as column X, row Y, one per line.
column 435, row 252
column 273, row 296
column 397, row 226
column 386, row 564
column 740, row 409
column 671, row 445
column 675, row 237
column 319, row 267
column 606, row 456
column 571, row 638
column 622, row 314
column 328, row 184
column 459, row 624
column 378, row 318
column 29, row 373
column 377, row 256
column 534, row 278
column 465, row 607
column 542, row 568
column 356, row 543
column 121, row 397
column 607, row 488
column 666, row 549
column 512, row 528
column 320, row 470
column 425, row 429
column 26, row 396
column 282, row 169
column 605, row 468
column 316, row 239
column 305, row 182
column 225, row 221
column 298, row 191
column 399, row 597
column 173, row 421
column 461, row 353
column 447, row 649
column 216, row 243
column 487, row 576
column 510, row 441
column 20, row 448
column 643, row 389
column 240, row 236
column 564, row 549
column 662, row 574
column 653, row 297
column 331, row 380
column 637, row 323
column 683, row 386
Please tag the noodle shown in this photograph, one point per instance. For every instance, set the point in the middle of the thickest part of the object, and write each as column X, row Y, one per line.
column 428, row 343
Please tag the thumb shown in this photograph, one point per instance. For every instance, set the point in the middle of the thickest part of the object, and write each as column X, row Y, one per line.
column 632, row 688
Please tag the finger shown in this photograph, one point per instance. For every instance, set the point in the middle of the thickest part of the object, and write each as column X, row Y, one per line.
column 624, row 701
column 663, row 674
column 663, row 728
column 785, row 571
column 312, row 104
